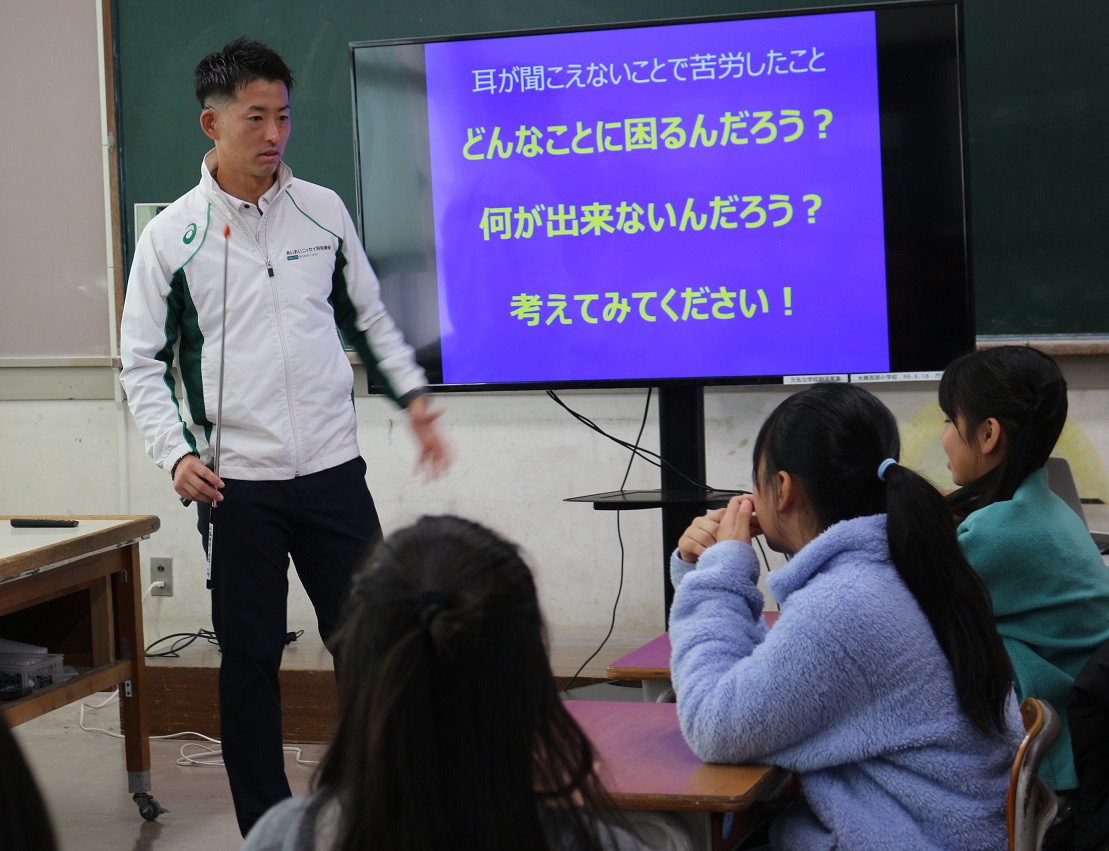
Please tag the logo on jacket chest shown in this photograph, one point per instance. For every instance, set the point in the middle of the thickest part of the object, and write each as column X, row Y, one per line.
column 298, row 253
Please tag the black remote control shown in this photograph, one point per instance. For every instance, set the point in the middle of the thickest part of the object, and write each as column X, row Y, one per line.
column 42, row 523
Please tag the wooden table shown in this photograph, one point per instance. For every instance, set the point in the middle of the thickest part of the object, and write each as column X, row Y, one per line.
column 646, row 765
column 651, row 663
column 78, row 591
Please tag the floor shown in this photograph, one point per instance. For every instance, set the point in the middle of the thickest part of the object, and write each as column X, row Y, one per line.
column 83, row 779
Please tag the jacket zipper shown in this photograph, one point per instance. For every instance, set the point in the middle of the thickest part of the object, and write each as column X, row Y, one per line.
column 285, row 359
column 274, row 297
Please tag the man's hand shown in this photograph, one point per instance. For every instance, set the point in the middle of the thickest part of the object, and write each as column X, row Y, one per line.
column 194, row 481
column 435, row 455
column 702, row 533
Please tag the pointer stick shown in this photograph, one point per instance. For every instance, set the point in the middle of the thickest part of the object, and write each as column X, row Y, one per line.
column 219, row 403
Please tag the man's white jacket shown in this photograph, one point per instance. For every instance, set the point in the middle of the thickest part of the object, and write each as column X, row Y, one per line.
column 288, row 406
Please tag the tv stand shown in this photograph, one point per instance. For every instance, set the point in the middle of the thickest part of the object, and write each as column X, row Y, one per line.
column 681, row 414
column 632, row 500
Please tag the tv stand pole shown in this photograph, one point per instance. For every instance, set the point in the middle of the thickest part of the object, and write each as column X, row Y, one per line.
column 681, row 422
column 681, row 416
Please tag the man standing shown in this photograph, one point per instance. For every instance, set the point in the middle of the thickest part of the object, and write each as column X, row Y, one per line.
column 291, row 480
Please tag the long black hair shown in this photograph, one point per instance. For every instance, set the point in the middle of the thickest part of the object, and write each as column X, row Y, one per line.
column 24, row 820
column 1024, row 390
column 832, row 438
column 451, row 731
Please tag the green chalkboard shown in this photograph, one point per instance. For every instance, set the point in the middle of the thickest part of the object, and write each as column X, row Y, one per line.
column 1037, row 95
column 1038, row 90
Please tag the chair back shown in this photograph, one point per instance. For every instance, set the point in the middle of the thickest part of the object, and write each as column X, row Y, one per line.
column 1061, row 481
column 1032, row 803
column 1088, row 719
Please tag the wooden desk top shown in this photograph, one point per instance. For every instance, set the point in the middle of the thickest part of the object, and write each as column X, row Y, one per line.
column 652, row 660
column 649, row 662
column 646, row 764
column 26, row 550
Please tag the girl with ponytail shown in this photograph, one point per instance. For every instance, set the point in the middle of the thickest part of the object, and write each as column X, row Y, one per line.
column 1005, row 409
column 451, row 732
column 884, row 684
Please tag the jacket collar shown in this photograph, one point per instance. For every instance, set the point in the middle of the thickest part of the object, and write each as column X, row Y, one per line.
column 208, row 183
column 861, row 540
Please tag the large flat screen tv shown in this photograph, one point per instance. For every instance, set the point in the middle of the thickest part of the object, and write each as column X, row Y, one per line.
column 715, row 201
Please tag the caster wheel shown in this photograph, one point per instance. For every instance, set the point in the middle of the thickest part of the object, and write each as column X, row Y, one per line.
column 149, row 808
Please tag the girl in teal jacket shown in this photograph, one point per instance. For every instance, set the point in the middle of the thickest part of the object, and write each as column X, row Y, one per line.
column 1005, row 409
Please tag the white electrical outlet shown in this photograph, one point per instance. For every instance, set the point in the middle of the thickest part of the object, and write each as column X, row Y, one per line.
column 161, row 570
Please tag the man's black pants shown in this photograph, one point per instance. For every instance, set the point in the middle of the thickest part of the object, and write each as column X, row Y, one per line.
column 327, row 523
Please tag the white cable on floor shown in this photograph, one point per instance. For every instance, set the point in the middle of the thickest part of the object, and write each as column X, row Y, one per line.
column 206, row 755
column 185, row 759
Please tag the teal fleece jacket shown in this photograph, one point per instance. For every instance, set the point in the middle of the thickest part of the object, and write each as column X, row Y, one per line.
column 1050, row 592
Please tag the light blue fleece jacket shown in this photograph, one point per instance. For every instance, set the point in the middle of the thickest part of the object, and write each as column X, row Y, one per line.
column 850, row 690
column 1050, row 593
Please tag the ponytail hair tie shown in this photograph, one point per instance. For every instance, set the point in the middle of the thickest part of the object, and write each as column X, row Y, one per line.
column 429, row 604
column 885, row 465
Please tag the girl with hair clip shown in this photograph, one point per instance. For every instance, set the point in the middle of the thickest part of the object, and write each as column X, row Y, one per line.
column 451, row 732
column 1005, row 410
column 883, row 685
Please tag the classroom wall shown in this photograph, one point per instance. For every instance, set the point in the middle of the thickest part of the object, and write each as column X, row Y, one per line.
column 67, row 444
column 518, row 457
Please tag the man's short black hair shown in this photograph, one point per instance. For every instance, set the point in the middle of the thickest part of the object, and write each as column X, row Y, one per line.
column 221, row 74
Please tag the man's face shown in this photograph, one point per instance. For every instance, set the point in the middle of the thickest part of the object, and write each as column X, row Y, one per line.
column 250, row 133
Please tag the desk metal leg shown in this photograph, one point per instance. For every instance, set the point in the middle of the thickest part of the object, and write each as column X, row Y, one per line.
column 654, row 689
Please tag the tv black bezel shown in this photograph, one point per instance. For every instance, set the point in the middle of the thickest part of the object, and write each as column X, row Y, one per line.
column 940, row 303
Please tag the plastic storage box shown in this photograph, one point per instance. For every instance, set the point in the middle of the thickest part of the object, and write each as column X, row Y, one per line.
column 23, row 673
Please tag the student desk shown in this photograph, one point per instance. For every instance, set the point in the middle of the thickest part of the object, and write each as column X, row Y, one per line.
column 651, row 664
column 77, row 591
column 646, row 765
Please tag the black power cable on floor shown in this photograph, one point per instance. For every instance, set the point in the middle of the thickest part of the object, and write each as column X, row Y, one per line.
column 654, row 459
column 635, row 452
